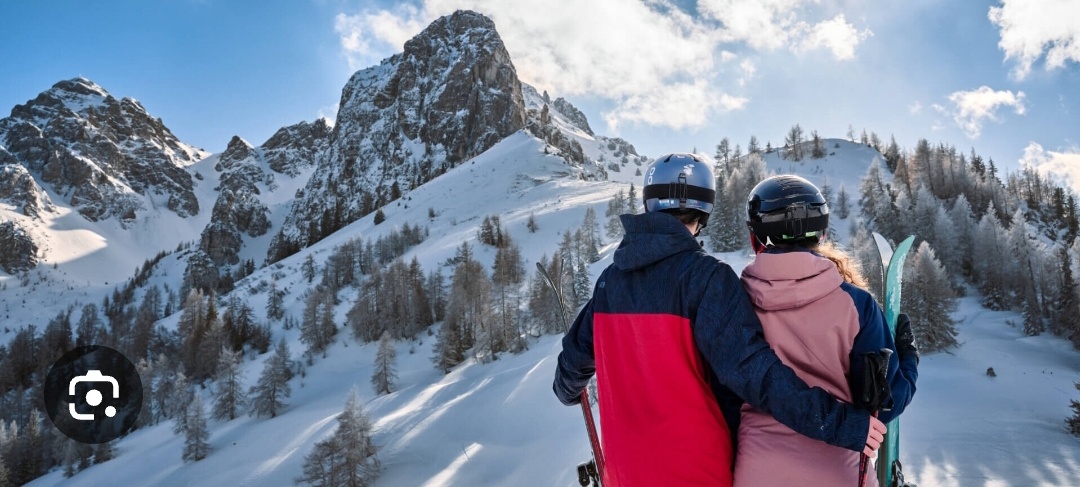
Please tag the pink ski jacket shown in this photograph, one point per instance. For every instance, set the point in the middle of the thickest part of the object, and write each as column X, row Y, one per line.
column 815, row 322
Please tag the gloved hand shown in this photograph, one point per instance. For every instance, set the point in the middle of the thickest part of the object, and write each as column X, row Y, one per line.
column 868, row 381
column 905, row 339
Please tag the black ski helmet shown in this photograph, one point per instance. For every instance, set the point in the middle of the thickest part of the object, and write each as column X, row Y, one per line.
column 786, row 209
column 680, row 181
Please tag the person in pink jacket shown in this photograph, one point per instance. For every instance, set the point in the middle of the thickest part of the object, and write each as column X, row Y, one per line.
column 797, row 282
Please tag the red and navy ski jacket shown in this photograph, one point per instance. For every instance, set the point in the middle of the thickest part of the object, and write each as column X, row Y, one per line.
column 665, row 321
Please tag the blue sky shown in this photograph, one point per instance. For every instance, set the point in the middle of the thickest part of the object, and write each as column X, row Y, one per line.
column 1002, row 77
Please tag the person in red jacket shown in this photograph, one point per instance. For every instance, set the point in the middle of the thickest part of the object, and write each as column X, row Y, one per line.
column 822, row 323
column 668, row 330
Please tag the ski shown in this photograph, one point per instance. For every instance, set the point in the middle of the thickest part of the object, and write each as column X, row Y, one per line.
column 593, row 470
column 888, row 463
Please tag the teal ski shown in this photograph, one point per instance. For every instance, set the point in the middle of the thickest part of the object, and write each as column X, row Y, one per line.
column 888, row 463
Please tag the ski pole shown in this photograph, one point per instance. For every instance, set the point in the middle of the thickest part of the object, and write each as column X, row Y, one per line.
column 586, row 408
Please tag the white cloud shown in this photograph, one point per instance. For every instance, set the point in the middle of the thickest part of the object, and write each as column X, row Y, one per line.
column 391, row 29
column 836, row 35
column 915, row 108
column 1063, row 166
column 973, row 108
column 749, row 69
column 1031, row 30
column 658, row 64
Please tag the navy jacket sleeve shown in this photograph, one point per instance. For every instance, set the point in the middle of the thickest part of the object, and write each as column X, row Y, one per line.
column 577, row 364
column 729, row 335
column 873, row 336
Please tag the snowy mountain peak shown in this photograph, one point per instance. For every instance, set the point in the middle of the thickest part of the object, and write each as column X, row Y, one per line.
column 106, row 157
column 451, row 95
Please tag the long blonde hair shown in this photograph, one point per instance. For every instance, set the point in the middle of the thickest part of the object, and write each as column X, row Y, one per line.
column 849, row 267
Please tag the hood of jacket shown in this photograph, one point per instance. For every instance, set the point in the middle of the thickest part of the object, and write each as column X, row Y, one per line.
column 651, row 237
column 779, row 281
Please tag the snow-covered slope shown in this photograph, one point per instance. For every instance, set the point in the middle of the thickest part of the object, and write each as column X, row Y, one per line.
column 500, row 424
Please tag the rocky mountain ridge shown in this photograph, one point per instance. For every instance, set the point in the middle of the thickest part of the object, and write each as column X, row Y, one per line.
column 449, row 96
column 106, row 157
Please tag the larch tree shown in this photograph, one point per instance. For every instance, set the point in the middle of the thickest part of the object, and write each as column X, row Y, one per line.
column 723, row 154
column 793, row 143
column 347, row 458
column 385, row 362
column 317, row 328
column 229, row 396
column 507, row 275
column 543, row 306
column 268, row 394
column 196, row 434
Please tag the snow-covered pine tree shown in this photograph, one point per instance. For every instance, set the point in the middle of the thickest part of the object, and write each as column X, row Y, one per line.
column 385, row 361
column 317, row 328
column 196, row 434
column 633, row 205
column 70, row 459
column 875, row 202
column 590, row 236
column 991, row 261
column 582, row 280
column 308, row 269
column 1067, row 303
column 229, row 394
column 180, row 398
column 191, row 328
column 616, row 207
column 929, row 300
column 468, row 311
column 817, row 150
column 143, row 328
column 924, row 214
column 843, row 203
column 89, row 331
column 1073, row 423
column 963, row 223
column 275, row 302
column 273, row 386
column 348, row 457
column 866, row 254
column 566, row 256
column 209, row 346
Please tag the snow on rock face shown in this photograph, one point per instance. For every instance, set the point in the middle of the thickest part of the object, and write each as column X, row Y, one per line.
column 20, row 251
column 100, row 153
column 18, row 187
column 452, row 94
column 297, row 146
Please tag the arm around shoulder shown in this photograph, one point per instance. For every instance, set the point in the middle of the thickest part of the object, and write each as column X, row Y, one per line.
column 730, row 337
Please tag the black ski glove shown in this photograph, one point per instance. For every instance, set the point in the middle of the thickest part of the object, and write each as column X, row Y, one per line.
column 905, row 340
column 869, row 384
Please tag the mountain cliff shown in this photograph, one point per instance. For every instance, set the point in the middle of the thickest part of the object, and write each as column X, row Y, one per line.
column 451, row 95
